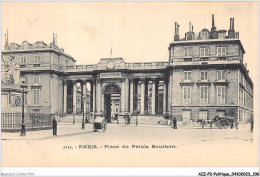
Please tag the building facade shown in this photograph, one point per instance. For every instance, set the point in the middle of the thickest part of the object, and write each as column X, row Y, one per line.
column 205, row 76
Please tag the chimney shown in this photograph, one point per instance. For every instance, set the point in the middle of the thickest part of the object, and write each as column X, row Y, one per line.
column 233, row 24
column 214, row 33
column 190, row 35
column 231, row 31
column 213, row 28
column 237, row 35
column 54, row 42
column 176, row 35
column 6, row 47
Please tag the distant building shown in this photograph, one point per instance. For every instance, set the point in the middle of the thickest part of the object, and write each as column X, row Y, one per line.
column 204, row 77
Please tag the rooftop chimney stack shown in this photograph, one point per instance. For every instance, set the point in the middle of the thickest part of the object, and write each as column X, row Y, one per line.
column 231, row 31
column 233, row 24
column 214, row 33
column 6, row 47
column 190, row 35
column 213, row 22
column 176, row 35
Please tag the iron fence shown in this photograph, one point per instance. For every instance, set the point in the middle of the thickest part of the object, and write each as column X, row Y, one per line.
column 35, row 120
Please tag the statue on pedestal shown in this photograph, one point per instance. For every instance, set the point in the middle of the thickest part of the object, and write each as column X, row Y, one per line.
column 11, row 73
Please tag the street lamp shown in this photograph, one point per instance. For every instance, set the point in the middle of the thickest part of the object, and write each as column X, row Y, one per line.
column 83, row 101
column 23, row 90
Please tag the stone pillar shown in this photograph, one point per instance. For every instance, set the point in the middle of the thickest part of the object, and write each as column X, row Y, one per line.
column 131, row 96
column 142, row 95
column 164, row 96
column 74, row 96
column 127, row 95
column 93, row 96
column 99, row 95
column 122, row 96
column 84, row 83
column 156, row 96
column 169, row 92
column 153, row 97
column 65, row 92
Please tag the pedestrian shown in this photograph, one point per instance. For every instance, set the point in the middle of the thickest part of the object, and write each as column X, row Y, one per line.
column 174, row 123
column 252, row 123
column 128, row 118
column 54, row 125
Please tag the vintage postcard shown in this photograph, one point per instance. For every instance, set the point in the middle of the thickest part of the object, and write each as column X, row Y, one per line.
column 129, row 84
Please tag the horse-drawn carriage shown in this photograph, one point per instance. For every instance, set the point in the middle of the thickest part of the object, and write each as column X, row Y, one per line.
column 100, row 123
column 223, row 122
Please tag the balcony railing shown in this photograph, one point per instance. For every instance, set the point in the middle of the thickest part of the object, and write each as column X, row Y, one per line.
column 150, row 65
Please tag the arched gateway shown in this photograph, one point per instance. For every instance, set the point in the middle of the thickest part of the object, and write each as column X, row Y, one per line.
column 112, row 94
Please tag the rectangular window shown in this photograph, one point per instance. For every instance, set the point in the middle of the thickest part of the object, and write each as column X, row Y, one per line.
column 221, row 75
column 204, row 52
column 221, row 51
column 204, row 75
column 221, row 94
column 36, row 79
column 37, row 61
column 204, row 94
column 187, row 94
column 187, row 52
column 203, row 115
column 22, row 60
column 36, row 95
column 187, row 75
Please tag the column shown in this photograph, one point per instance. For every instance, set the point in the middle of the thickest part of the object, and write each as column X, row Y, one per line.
column 84, row 82
column 127, row 95
column 156, row 96
column 153, row 97
column 93, row 96
column 99, row 95
column 65, row 91
column 131, row 96
column 74, row 96
column 142, row 95
column 164, row 96
column 169, row 92
column 122, row 95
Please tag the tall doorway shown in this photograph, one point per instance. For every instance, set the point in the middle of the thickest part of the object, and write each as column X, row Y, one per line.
column 111, row 96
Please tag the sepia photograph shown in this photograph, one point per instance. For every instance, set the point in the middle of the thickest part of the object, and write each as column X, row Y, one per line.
column 129, row 84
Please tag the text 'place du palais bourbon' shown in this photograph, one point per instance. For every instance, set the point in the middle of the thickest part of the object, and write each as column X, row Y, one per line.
column 204, row 76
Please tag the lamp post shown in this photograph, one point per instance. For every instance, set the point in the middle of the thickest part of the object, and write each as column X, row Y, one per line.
column 73, row 121
column 83, row 122
column 23, row 90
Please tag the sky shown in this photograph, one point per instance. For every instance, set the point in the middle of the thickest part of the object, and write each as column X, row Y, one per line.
column 136, row 31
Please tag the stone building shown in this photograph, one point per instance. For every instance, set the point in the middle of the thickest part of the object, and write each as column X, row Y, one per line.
column 204, row 76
